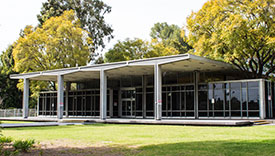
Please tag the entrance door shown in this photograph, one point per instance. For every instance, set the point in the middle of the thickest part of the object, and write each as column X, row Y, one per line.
column 128, row 102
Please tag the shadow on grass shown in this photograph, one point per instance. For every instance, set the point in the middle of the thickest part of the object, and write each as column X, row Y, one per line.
column 231, row 147
column 220, row 148
column 81, row 151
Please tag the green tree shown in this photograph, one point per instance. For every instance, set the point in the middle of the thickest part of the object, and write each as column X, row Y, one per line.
column 127, row 50
column 59, row 43
column 10, row 96
column 170, row 36
column 237, row 31
column 91, row 14
column 158, row 49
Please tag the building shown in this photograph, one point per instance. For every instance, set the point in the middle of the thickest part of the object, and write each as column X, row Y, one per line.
column 181, row 86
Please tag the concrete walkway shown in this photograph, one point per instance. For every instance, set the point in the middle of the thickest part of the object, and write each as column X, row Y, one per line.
column 36, row 124
column 201, row 122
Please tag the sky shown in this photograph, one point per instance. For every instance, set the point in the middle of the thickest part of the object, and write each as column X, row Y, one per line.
column 129, row 18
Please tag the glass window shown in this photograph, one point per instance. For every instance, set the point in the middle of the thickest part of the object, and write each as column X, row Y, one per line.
column 202, row 100
column 253, row 99
column 182, row 101
column 163, row 102
column 210, row 98
column 226, row 85
column 210, row 86
column 235, row 98
column 139, row 101
column 227, row 99
column 203, row 87
column 218, row 85
column 149, row 101
column 175, row 88
column 253, row 84
column 235, row 85
column 244, row 98
column 190, row 87
column 176, row 101
column 219, row 99
column 190, row 100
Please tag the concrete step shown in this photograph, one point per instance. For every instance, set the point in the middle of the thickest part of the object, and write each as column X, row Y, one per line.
column 72, row 121
column 262, row 122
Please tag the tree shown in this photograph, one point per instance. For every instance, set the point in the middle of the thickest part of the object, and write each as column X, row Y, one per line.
column 238, row 32
column 127, row 50
column 158, row 49
column 91, row 14
column 10, row 96
column 59, row 43
column 170, row 36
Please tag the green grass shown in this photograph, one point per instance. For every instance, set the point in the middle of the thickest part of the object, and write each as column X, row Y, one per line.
column 160, row 139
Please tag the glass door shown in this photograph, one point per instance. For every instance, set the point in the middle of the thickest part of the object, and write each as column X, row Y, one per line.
column 128, row 102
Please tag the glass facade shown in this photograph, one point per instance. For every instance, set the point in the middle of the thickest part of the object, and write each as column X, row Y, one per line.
column 229, row 99
column 178, row 101
column 222, row 99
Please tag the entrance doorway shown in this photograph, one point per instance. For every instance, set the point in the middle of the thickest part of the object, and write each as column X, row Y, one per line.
column 128, row 102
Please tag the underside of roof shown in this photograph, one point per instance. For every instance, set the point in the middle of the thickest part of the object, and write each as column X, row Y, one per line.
column 176, row 63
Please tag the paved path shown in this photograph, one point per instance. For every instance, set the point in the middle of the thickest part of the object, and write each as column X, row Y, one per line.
column 200, row 122
column 36, row 124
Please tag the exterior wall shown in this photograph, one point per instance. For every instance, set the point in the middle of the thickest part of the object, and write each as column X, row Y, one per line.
column 237, row 99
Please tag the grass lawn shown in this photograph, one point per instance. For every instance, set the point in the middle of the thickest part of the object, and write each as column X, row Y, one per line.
column 112, row 139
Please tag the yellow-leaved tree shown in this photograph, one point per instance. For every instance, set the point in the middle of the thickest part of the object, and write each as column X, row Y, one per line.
column 241, row 32
column 59, row 43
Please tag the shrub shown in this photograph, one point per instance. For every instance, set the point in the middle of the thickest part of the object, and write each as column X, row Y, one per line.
column 4, row 139
column 23, row 145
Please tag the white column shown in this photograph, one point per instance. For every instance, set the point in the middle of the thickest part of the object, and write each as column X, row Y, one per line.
column 37, row 108
column 103, row 95
column 60, row 96
column 262, row 98
column 158, row 91
column 26, row 93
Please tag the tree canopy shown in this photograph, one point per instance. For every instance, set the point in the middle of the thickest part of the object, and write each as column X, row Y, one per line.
column 165, row 40
column 127, row 50
column 59, row 43
column 10, row 96
column 89, row 12
column 171, row 36
column 237, row 31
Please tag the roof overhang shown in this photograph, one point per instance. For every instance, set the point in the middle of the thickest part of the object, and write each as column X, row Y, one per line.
column 183, row 63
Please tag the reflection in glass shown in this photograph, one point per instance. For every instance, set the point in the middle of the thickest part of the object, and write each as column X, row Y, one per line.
column 219, row 99
column 189, row 100
column 253, row 99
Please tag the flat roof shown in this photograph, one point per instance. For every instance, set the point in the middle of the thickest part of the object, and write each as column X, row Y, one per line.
column 182, row 62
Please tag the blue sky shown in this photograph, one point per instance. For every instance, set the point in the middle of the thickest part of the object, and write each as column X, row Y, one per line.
column 129, row 18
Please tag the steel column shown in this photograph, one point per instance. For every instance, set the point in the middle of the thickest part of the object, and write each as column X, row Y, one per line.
column 68, row 86
column 111, row 102
column 119, row 100
column 158, row 91
column 262, row 99
column 103, row 95
column 60, row 96
column 196, row 81
column 26, row 93
column 144, row 83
